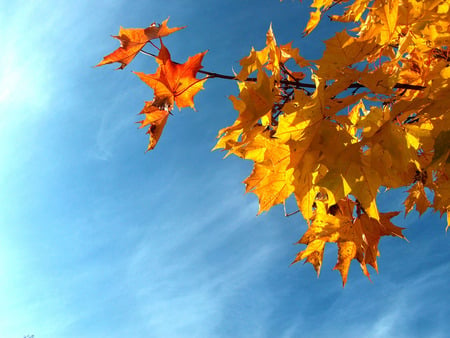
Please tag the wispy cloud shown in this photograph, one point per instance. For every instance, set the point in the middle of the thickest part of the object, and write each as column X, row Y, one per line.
column 413, row 305
column 109, row 131
column 183, row 282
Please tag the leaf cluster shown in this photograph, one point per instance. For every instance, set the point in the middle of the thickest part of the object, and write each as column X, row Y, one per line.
column 375, row 116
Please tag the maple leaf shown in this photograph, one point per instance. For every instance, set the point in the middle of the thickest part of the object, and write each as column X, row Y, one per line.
column 354, row 12
column 254, row 102
column 132, row 40
column 389, row 16
column 381, row 80
column 417, row 197
column 315, row 16
column 288, row 52
column 271, row 179
column 314, row 20
column 174, row 82
column 156, row 119
column 252, row 62
column 356, row 238
column 343, row 50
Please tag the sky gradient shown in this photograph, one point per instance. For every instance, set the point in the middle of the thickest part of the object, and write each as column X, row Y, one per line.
column 100, row 239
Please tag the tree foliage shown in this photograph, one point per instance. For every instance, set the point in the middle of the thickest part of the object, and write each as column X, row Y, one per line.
column 374, row 116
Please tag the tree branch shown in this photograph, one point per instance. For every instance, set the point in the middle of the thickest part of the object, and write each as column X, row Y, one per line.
column 292, row 84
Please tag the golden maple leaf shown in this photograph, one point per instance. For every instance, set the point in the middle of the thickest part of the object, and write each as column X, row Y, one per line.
column 356, row 238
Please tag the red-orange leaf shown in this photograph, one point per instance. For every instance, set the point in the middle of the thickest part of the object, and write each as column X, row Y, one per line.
column 156, row 119
column 132, row 40
column 173, row 81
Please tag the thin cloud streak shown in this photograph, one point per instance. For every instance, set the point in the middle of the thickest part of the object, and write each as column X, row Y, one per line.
column 180, row 285
column 410, row 303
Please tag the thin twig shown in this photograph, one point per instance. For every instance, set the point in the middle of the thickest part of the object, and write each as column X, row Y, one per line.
column 293, row 84
column 286, row 214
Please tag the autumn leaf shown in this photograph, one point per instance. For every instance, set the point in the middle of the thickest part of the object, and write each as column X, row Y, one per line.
column 271, row 179
column 255, row 101
column 251, row 63
column 391, row 14
column 313, row 22
column 343, row 50
column 155, row 119
column 314, row 19
column 418, row 198
column 346, row 253
column 356, row 238
column 353, row 13
column 323, row 230
column 132, row 40
column 174, row 82
column 442, row 146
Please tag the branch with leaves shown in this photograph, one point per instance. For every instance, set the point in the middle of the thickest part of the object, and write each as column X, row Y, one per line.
column 375, row 116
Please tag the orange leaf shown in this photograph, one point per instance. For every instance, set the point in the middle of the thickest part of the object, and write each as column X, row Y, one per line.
column 387, row 227
column 173, row 81
column 313, row 254
column 156, row 119
column 132, row 40
column 313, row 22
column 356, row 238
column 346, row 252
column 417, row 197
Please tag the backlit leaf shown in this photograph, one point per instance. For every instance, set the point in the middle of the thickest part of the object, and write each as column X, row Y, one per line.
column 132, row 40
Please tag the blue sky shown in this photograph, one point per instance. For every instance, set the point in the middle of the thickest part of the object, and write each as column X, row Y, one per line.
column 99, row 238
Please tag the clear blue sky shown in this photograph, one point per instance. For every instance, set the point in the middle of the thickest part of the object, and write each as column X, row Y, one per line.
column 100, row 239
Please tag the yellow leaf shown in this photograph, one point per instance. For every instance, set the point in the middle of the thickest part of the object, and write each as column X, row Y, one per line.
column 445, row 72
column 354, row 13
column 341, row 51
column 348, row 174
column 255, row 101
column 272, row 177
column 390, row 15
column 313, row 22
column 381, row 80
column 305, row 165
column 272, row 184
column 288, row 52
column 356, row 238
column 448, row 220
column 300, row 125
column 313, row 254
column 252, row 62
